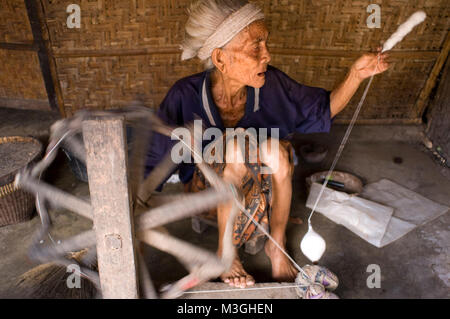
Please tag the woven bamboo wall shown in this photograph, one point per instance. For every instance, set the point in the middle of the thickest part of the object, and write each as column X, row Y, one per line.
column 126, row 48
column 114, row 81
column 14, row 25
column 21, row 82
column 21, row 77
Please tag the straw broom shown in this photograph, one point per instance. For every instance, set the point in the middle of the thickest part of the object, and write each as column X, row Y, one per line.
column 49, row 281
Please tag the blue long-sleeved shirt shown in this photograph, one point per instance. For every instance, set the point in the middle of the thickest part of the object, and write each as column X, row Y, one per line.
column 281, row 103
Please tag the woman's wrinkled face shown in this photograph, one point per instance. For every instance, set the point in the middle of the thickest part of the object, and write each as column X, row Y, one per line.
column 248, row 56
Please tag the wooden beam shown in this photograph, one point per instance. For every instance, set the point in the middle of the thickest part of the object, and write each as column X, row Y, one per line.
column 115, row 52
column 106, row 160
column 18, row 46
column 47, row 63
column 421, row 102
column 278, row 51
column 351, row 54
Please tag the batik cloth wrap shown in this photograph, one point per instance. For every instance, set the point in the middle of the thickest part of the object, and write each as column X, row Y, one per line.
column 256, row 189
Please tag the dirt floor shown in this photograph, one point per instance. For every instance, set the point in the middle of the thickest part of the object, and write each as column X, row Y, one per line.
column 415, row 266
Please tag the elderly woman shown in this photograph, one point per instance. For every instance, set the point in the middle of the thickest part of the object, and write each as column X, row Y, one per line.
column 240, row 89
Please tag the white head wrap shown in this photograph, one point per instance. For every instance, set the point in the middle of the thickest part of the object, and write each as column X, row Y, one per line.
column 229, row 28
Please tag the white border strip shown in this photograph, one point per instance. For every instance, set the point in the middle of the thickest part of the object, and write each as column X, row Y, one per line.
column 206, row 104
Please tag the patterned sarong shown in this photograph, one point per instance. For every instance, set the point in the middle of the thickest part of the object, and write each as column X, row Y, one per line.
column 257, row 190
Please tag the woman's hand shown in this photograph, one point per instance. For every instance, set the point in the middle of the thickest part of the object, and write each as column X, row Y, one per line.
column 368, row 64
column 364, row 67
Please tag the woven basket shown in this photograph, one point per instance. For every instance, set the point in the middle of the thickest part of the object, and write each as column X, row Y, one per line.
column 16, row 205
column 352, row 183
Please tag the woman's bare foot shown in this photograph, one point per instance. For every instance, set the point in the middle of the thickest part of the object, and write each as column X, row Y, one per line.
column 282, row 268
column 237, row 276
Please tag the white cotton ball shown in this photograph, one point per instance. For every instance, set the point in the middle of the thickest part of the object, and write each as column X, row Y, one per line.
column 404, row 29
column 313, row 245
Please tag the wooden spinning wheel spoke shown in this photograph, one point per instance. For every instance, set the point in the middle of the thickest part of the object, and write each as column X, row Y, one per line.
column 52, row 194
column 154, row 179
column 203, row 265
column 199, row 202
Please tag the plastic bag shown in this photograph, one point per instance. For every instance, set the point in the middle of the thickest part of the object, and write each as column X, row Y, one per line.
column 365, row 218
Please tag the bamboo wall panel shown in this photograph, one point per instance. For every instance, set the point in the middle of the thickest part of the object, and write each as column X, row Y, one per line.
column 119, row 80
column 21, row 82
column 21, row 77
column 117, row 24
column 309, row 24
column 341, row 24
column 124, row 48
column 14, row 25
column 392, row 94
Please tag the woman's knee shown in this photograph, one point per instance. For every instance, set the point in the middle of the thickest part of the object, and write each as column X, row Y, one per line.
column 235, row 168
column 276, row 157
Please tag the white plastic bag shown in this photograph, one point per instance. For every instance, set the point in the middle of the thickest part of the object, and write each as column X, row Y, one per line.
column 411, row 209
column 365, row 218
column 369, row 218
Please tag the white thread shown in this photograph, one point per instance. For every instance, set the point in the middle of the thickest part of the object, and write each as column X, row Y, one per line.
column 241, row 289
column 398, row 35
column 344, row 141
column 244, row 210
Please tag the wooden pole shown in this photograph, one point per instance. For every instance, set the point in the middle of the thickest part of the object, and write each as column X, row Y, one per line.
column 42, row 45
column 421, row 102
column 106, row 159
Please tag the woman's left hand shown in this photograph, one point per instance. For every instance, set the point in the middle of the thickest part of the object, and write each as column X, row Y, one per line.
column 368, row 65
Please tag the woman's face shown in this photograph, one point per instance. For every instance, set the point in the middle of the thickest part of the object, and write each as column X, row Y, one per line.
column 247, row 56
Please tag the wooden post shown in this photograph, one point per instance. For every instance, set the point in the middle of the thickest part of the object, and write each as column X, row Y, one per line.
column 47, row 62
column 106, row 159
column 421, row 102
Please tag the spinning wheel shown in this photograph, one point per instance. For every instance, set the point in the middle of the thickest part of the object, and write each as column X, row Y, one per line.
column 148, row 213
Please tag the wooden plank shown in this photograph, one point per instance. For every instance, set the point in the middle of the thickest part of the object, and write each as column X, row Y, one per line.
column 106, row 160
column 431, row 82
